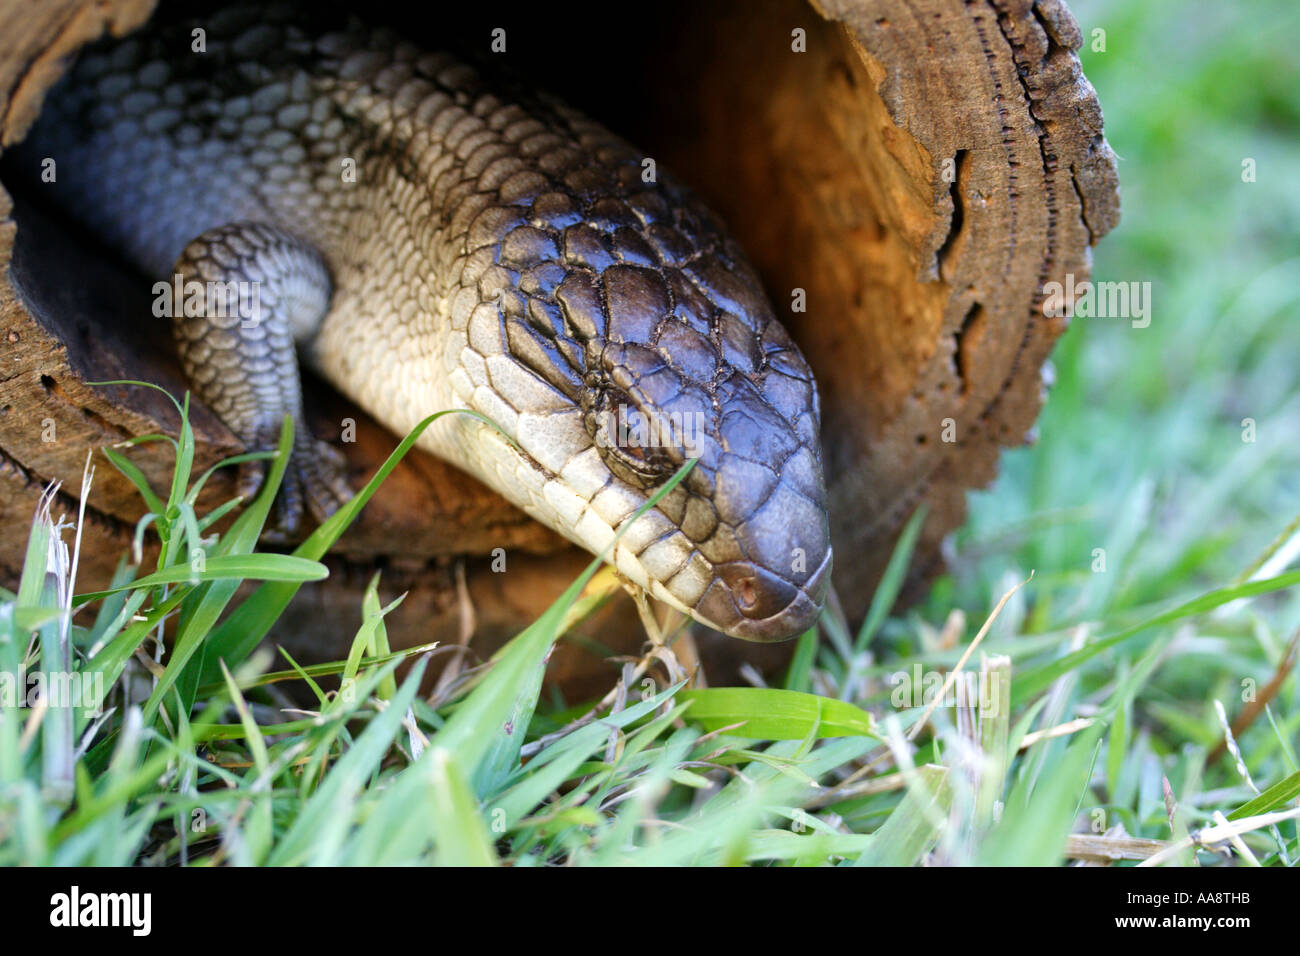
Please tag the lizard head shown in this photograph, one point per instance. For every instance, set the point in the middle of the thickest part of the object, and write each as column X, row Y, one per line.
column 616, row 331
column 668, row 362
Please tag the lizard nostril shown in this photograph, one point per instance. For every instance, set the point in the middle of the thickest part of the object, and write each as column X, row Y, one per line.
column 753, row 592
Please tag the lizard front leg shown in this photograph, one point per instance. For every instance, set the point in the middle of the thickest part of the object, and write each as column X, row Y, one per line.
column 249, row 292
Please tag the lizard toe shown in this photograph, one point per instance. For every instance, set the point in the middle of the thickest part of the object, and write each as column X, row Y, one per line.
column 324, row 473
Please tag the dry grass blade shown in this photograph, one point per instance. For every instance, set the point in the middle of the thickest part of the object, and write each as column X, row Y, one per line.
column 970, row 649
column 1256, row 707
column 1208, row 837
column 853, row 787
column 1103, row 848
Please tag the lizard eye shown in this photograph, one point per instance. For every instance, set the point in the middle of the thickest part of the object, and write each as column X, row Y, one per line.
column 628, row 440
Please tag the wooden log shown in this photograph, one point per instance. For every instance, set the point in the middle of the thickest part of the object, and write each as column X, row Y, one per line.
column 906, row 174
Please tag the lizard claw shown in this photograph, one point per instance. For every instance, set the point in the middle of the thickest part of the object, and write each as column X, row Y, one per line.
column 323, row 472
column 316, row 480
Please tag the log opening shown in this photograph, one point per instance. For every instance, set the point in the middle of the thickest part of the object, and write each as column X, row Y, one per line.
column 916, row 174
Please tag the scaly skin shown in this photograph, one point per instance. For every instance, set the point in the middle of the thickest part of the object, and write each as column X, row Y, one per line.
column 433, row 241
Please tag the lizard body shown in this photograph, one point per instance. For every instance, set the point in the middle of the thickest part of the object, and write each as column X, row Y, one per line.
column 432, row 239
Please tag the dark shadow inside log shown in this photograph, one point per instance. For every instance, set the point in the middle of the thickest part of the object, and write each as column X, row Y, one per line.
column 917, row 174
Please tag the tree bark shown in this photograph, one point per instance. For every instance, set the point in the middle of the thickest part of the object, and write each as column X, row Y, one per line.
column 906, row 174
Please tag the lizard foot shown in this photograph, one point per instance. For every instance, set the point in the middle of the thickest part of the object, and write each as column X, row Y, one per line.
column 315, row 481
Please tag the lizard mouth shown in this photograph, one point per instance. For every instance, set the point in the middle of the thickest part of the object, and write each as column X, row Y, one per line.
column 756, row 605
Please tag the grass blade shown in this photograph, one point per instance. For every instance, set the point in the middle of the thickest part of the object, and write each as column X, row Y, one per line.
column 774, row 714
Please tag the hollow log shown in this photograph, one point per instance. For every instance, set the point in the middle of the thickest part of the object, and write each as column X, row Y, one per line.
column 907, row 175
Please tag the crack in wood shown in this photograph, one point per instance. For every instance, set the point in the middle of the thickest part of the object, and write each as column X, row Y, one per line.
column 104, row 522
column 958, row 217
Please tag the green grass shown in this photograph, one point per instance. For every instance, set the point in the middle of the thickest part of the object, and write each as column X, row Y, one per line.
column 1087, row 717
